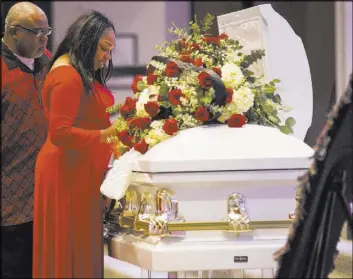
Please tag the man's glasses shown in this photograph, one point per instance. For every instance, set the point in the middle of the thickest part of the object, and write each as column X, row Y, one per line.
column 38, row 32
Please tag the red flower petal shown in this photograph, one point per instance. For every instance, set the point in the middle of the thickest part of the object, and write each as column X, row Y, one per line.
column 236, row 121
column 202, row 114
column 170, row 127
column 141, row 146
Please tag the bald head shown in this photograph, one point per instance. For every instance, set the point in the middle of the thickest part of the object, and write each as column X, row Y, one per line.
column 23, row 12
column 24, row 23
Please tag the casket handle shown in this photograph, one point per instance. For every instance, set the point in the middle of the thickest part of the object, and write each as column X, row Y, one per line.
column 143, row 225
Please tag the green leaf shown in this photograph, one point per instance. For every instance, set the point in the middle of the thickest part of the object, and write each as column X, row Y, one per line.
column 290, row 122
column 274, row 119
column 269, row 89
column 123, row 149
column 248, row 73
column 263, row 97
column 268, row 109
column 255, row 91
column 286, row 130
column 274, row 112
column 165, row 104
column 286, row 108
column 164, row 89
column 141, row 86
column 277, row 99
column 276, row 80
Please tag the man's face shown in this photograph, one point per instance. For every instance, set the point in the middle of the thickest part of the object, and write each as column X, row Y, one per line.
column 28, row 43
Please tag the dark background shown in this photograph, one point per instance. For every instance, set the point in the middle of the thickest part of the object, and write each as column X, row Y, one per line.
column 312, row 21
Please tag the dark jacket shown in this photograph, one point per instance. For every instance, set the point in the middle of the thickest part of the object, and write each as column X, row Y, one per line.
column 23, row 133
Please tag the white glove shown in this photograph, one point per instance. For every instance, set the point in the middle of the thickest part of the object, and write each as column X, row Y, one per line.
column 118, row 177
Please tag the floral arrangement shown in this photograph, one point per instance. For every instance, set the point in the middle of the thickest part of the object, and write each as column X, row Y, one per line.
column 196, row 79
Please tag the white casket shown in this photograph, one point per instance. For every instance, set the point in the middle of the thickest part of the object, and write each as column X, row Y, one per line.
column 215, row 201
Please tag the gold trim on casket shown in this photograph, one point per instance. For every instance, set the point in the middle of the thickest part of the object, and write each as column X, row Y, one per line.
column 159, row 215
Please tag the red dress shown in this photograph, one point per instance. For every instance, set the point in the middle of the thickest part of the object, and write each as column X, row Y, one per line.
column 68, row 237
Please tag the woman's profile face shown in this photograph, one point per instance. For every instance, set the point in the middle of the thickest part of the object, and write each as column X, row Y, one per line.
column 105, row 46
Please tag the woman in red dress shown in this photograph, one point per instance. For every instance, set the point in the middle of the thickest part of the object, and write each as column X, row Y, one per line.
column 68, row 237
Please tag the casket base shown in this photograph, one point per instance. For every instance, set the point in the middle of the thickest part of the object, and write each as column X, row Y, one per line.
column 248, row 256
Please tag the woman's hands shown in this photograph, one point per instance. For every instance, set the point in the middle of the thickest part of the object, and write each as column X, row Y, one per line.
column 109, row 132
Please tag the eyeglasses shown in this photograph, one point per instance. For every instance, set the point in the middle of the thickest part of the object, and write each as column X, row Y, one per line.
column 39, row 32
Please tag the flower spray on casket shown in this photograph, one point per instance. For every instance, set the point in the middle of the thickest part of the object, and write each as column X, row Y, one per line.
column 197, row 79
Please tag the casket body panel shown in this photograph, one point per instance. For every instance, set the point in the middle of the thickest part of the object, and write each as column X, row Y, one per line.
column 179, row 255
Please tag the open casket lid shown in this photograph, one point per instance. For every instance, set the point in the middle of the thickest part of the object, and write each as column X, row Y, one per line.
column 261, row 27
column 220, row 148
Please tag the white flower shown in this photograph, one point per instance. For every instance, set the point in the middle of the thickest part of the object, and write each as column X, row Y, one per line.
column 144, row 98
column 184, row 101
column 232, row 76
column 157, row 124
column 242, row 101
column 156, row 134
column 158, row 65
column 187, row 121
column 140, row 104
column 171, row 81
column 153, row 90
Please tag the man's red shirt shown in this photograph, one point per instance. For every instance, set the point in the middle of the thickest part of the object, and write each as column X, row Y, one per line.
column 23, row 132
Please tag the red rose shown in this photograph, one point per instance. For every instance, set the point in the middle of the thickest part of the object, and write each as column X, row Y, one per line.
column 229, row 95
column 124, row 111
column 211, row 39
column 128, row 107
column 170, row 127
column 205, row 80
column 195, row 46
column 182, row 44
column 223, row 36
column 202, row 114
column 152, row 108
column 130, row 103
column 172, row 69
column 174, row 96
column 185, row 58
column 236, row 120
column 134, row 83
column 217, row 71
column 198, row 62
column 125, row 138
column 140, row 122
column 141, row 146
column 151, row 78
